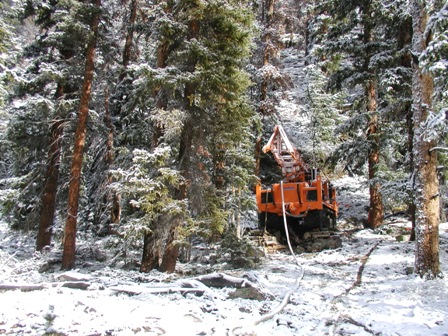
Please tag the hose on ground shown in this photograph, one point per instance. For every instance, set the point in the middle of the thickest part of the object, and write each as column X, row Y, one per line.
column 299, row 278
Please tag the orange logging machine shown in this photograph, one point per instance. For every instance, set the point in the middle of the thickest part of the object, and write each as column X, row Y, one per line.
column 306, row 199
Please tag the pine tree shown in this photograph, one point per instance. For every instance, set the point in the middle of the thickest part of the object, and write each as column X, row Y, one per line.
column 43, row 100
column 357, row 44
column 68, row 256
column 8, row 71
column 196, row 76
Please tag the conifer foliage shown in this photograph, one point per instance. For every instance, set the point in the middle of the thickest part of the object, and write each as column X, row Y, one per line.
column 199, row 116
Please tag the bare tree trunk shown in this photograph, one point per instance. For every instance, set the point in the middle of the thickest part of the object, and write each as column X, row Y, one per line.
column 411, row 203
column 51, row 182
column 426, row 188
column 47, row 213
column 404, row 41
column 171, row 253
column 151, row 252
column 68, row 256
column 376, row 213
column 128, row 44
column 267, row 15
column 113, row 197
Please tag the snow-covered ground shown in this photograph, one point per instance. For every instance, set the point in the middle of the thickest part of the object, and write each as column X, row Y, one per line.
column 387, row 300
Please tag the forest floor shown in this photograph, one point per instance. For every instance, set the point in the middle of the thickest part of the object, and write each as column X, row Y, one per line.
column 366, row 287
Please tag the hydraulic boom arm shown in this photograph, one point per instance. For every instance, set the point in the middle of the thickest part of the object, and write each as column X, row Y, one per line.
column 287, row 156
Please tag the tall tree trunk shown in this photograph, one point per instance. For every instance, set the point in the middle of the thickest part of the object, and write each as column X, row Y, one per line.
column 267, row 15
column 171, row 252
column 426, row 188
column 51, row 182
column 404, row 40
column 129, row 36
column 68, row 256
column 47, row 213
column 113, row 197
column 153, row 244
column 111, row 200
column 411, row 203
column 268, row 7
column 184, row 157
column 376, row 213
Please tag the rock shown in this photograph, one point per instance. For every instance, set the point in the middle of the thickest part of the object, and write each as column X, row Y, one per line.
column 74, row 276
column 254, row 252
column 243, row 262
column 250, row 293
column 409, row 270
column 300, row 249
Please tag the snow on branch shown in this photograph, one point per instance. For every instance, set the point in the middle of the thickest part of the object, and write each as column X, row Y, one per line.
column 435, row 125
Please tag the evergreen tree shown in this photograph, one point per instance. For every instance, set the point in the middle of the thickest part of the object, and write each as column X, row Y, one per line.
column 360, row 44
column 200, row 111
column 8, row 73
column 44, row 98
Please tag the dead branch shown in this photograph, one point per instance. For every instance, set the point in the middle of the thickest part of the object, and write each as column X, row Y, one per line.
column 136, row 290
column 361, row 267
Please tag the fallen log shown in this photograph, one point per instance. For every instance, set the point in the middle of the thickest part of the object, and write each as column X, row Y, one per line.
column 75, row 284
column 220, row 280
column 136, row 290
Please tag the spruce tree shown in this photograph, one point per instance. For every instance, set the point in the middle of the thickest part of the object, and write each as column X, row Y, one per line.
column 356, row 51
column 200, row 105
column 45, row 96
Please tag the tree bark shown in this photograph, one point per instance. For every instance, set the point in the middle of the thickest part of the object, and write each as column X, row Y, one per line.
column 68, row 256
column 411, row 204
column 129, row 36
column 267, row 15
column 151, row 252
column 404, row 40
column 426, row 187
column 376, row 213
column 51, row 182
column 113, row 197
column 48, row 200
column 171, row 252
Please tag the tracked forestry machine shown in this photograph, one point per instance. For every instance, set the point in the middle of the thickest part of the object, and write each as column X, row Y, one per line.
column 305, row 199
